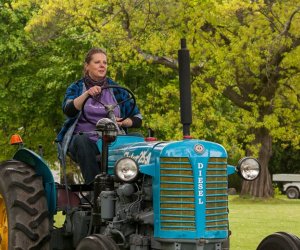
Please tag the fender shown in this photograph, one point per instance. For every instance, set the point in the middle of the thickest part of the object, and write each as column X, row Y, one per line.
column 231, row 169
column 29, row 157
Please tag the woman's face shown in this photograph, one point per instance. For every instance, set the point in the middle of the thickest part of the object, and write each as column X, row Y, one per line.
column 97, row 67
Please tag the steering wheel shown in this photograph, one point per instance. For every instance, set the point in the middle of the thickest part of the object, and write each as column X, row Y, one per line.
column 110, row 107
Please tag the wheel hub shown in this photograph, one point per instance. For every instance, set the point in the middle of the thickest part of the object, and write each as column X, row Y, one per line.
column 3, row 225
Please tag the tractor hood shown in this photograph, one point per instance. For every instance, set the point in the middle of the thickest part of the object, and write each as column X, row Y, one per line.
column 149, row 152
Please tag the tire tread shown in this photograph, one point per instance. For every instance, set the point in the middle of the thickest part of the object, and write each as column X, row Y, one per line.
column 27, row 210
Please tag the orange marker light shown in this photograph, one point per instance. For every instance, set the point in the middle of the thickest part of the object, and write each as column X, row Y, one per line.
column 15, row 139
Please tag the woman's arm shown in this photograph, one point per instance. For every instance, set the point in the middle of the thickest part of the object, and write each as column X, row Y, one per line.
column 73, row 106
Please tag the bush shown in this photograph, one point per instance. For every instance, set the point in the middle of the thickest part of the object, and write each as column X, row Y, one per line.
column 234, row 181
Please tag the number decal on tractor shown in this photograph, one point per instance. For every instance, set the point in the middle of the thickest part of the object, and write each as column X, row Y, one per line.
column 143, row 157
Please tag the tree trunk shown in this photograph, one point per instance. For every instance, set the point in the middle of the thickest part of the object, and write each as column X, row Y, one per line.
column 262, row 186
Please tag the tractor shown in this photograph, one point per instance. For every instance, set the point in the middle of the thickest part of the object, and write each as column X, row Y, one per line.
column 150, row 194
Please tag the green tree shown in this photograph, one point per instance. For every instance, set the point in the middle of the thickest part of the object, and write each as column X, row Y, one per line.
column 285, row 159
column 245, row 63
column 13, row 50
column 34, row 74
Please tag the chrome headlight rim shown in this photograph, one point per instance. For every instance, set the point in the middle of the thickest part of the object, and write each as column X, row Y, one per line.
column 241, row 168
column 120, row 170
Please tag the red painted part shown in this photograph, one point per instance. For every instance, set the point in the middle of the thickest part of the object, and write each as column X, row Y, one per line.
column 150, row 139
column 62, row 199
column 187, row 137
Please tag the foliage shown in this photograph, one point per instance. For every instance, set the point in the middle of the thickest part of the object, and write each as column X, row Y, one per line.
column 285, row 159
column 33, row 78
column 244, row 64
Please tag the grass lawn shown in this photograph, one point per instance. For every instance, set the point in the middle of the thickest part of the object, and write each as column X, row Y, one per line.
column 252, row 220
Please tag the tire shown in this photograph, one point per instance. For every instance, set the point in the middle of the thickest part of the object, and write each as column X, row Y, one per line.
column 279, row 241
column 293, row 237
column 292, row 193
column 97, row 242
column 24, row 217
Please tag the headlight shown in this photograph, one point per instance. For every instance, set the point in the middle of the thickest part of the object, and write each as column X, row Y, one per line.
column 126, row 169
column 248, row 168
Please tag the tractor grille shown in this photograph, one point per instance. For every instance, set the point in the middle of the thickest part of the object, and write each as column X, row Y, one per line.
column 177, row 202
column 216, row 195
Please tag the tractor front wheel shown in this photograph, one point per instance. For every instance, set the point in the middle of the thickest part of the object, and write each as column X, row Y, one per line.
column 24, row 217
column 96, row 242
column 280, row 241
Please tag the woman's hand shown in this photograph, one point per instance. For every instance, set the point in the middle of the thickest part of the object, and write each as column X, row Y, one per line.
column 127, row 123
column 93, row 91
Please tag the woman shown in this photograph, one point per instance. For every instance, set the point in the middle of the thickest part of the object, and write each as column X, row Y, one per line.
column 78, row 135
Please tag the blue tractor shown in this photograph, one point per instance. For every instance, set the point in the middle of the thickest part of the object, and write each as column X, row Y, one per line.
column 164, row 195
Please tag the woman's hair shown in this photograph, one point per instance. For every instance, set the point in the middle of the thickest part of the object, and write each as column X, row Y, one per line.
column 89, row 56
column 91, row 52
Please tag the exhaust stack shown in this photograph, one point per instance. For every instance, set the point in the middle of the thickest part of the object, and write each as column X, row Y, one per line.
column 185, row 88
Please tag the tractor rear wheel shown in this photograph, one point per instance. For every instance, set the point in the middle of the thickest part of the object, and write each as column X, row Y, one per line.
column 24, row 217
